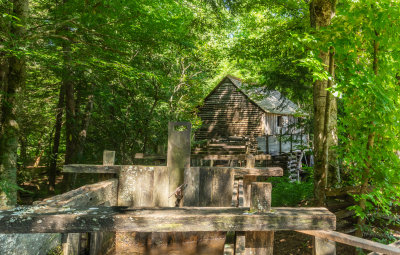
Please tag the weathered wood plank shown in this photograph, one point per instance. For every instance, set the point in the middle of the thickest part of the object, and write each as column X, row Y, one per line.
column 235, row 194
column 260, row 242
column 354, row 241
column 191, row 192
column 160, row 187
column 260, row 198
column 80, row 168
column 63, row 220
column 136, row 186
column 323, row 246
column 216, row 187
column 205, row 156
column 395, row 244
column 247, row 180
column 240, row 171
column 108, row 158
column 178, row 157
column 240, row 243
column 91, row 169
column 101, row 193
column 241, row 193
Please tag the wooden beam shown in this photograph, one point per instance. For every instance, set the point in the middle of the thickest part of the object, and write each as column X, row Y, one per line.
column 395, row 244
column 91, row 169
column 100, row 193
column 122, row 219
column 230, row 157
column 354, row 241
column 241, row 171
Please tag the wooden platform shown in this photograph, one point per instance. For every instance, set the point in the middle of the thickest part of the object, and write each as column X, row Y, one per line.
column 73, row 220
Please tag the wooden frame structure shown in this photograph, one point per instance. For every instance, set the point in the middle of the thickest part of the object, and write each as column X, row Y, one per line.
column 143, row 200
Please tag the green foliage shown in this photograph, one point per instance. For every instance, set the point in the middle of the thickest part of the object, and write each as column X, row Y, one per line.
column 141, row 63
column 285, row 193
column 9, row 188
column 56, row 251
column 370, row 101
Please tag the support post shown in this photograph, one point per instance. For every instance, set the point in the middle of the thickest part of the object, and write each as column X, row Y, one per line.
column 99, row 241
column 260, row 242
column 291, row 142
column 250, row 161
column 247, row 180
column 178, row 158
column 323, row 246
column 71, row 243
column 108, row 158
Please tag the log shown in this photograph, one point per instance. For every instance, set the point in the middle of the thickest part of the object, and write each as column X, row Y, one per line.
column 77, row 220
column 345, row 191
column 354, row 241
column 395, row 244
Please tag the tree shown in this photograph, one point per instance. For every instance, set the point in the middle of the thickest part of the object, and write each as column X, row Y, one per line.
column 13, row 81
column 321, row 14
column 366, row 42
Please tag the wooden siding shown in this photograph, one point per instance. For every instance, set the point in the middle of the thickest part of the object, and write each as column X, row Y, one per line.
column 228, row 112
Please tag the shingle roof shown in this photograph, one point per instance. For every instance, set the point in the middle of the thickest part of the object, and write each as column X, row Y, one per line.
column 269, row 100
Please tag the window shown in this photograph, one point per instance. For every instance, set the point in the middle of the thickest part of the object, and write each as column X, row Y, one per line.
column 280, row 121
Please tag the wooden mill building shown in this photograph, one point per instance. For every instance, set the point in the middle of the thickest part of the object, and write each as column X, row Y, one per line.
column 233, row 111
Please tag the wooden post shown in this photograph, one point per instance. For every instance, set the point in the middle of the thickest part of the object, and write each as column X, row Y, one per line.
column 71, row 243
column 291, row 142
column 260, row 242
column 99, row 240
column 247, row 180
column 108, row 158
column 280, row 141
column 178, row 158
column 250, row 161
column 260, row 198
column 323, row 246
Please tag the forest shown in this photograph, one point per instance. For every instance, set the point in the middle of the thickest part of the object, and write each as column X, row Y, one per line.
column 80, row 77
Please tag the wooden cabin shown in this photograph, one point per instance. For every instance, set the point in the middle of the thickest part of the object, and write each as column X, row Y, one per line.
column 233, row 111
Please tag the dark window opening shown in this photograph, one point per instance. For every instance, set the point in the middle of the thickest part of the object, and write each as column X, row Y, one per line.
column 280, row 121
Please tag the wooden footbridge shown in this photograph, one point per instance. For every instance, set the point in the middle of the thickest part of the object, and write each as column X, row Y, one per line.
column 176, row 209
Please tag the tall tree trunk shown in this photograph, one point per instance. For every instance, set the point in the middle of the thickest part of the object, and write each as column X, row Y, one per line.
column 9, row 129
column 327, row 121
column 56, row 141
column 321, row 14
column 70, row 117
column 84, row 128
column 370, row 145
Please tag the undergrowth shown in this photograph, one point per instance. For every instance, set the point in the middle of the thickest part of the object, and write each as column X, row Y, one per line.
column 285, row 193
